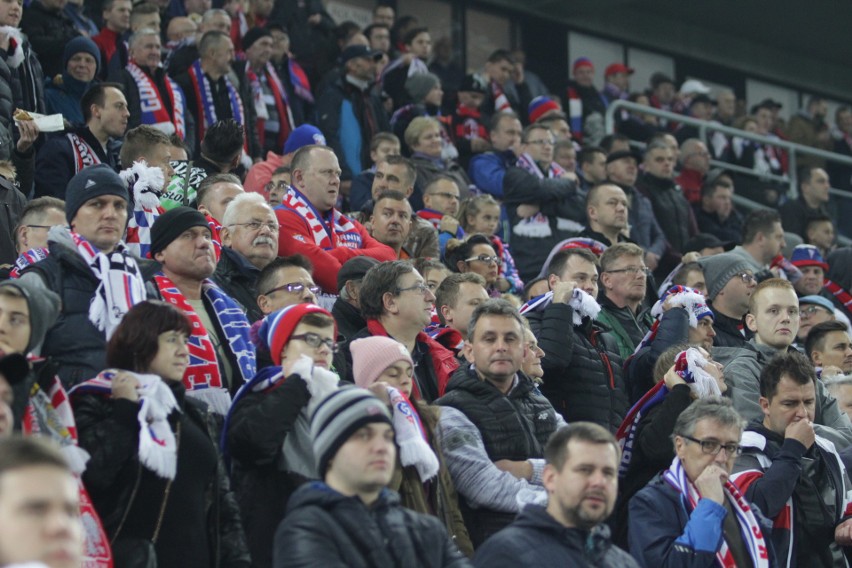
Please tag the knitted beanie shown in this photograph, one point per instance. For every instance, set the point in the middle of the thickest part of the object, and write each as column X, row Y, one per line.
column 304, row 135
column 539, row 106
column 691, row 300
column 253, row 35
column 277, row 327
column 719, row 269
column 171, row 224
column 372, row 355
column 418, row 86
column 92, row 182
column 340, row 415
column 81, row 44
column 808, row 255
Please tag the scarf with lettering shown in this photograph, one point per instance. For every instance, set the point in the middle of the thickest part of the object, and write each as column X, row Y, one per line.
column 154, row 111
column 207, row 109
column 48, row 414
column 84, row 154
column 329, row 230
column 286, row 124
column 537, row 226
column 203, row 378
column 749, row 527
column 157, row 444
column 28, row 258
column 145, row 184
column 414, row 449
column 121, row 286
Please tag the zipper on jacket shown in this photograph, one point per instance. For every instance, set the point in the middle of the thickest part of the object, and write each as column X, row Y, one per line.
column 605, row 357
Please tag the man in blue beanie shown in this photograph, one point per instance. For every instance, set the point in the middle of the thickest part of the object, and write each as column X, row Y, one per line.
column 81, row 62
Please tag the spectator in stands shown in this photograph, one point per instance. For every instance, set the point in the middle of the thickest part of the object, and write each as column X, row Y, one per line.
column 716, row 214
column 582, row 369
column 730, row 284
column 726, row 107
column 481, row 214
column 700, row 108
column 441, row 198
column 565, row 154
column 773, row 317
column 764, row 159
column 663, row 93
column 328, row 241
column 813, row 267
column 383, row 145
column 416, row 53
column 828, row 345
column 261, row 172
column 25, row 76
column 616, row 82
column 349, row 113
column 813, row 310
column 669, row 204
column 111, row 40
column 592, row 167
column 624, row 279
column 145, row 15
column 267, row 428
column 396, row 303
column 74, row 9
column 660, row 517
column 839, row 387
column 97, row 280
column 277, row 186
column 695, row 164
column 426, row 96
column 841, row 136
column 13, row 202
column 210, row 95
column 223, row 356
column 379, row 37
column 820, row 231
column 644, row 227
column 455, row 299
column 488, row 170
column 476, row 254
column 433, row 270
column 785, row 461
column 179, row 29
column 606, row 210
column 249, row 243
column 64, row 92
column 37, row 218
column 292, row 75
column 152, row 96
column 587, row 105
column 390, row 222
column 49, row 30
column 763, row 240
column 691, row 275
column 557, row 534
column 466, row 127
column 185, row 53
column 424, row 137
column 141, row 402
column 489, row 469
column 351, row 428
column 347, row 307
column 548, row 112
column 284, row 282
column 97, row 142
column 542, row 202
column 214, row 195
column 40, row 521
column 808, row 127
column 384, row 14
column 497, row 72
column 812, row 200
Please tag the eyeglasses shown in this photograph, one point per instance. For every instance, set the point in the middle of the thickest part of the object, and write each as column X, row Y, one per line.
column 747, row 278
column 272, row 185
column 256, row 226
column 812, row 310
column 446, row 195
column 486, row 259
column 420, row 287
column 315, row 341
column 712, row 447
column 39, row 226
column 541, row 142
column 295, row 288
column 632, row 270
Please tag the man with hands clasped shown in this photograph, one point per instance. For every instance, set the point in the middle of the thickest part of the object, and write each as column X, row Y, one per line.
column 794, row 475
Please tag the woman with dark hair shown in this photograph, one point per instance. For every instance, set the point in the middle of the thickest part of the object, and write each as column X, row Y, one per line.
column 476, row 254
column 155, row 474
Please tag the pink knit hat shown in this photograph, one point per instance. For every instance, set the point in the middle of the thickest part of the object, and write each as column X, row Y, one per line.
column 372, row 355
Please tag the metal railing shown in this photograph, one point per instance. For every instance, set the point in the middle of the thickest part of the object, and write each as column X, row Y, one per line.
column 704, row 126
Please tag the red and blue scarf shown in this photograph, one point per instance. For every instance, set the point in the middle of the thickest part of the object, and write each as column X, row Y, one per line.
column 206, row 107
column 330, row 230
column 84, row 154
column 153, row 108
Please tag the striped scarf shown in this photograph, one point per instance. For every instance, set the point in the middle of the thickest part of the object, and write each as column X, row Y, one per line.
column 840, row 294
column 84, row 154
column 121, row 286
column 501, row 101
column 145, row 184
column 153, row 108
column 748, row 525
column 207, row 109
column 203, row 378
column 539, row 224
column 330, row 230
column 582, row 304
column 681, row 297
column 285, row 123
column 26, row 259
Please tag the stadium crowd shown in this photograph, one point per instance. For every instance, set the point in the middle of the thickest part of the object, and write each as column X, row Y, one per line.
column 282, row 291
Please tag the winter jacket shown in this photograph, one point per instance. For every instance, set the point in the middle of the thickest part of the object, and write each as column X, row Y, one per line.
column 796, row 213
column 742, row 375
column 7, row 107
column 537, row 539
column 48, row 31
column 731, row 229
column 237, row 277
column 55, row 161
column 488, row 170
column 628, row 328
column 728, row 331
column 671, row 206
column 129, row 497
column 348, row 317
column 663, row 534
column 428, row 168
column 349, row 118
column 325, row 528
column 263, row 430
column 12, row 203
column 784, row 478
column 644, row 228
column 62, row 95
column 27, row 78
column 582, row 370
column 639, row 369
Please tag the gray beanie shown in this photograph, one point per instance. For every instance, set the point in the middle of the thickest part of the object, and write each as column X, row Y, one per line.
column 719, row 269
column 92, row 182
column 340, row 415
column 418, row 86
column 44, row 309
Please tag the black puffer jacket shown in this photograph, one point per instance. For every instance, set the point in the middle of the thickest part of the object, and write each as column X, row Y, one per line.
column 325, row 528
column 237, row 277
column 12, row 203
column 109, row 431
column 49, row 31
column 582, row 369
column 639, row 369
column 670, row 207
column 7, row 107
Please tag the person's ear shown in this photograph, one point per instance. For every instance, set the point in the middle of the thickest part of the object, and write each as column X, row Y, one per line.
column 764, row 405
column 263, row 304
column 552, row 280
column 390, row 302
column 446, row 313
column 751, row 322
column 225, row 236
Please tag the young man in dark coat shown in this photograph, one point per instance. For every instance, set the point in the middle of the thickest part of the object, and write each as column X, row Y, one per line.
column 351, row 518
